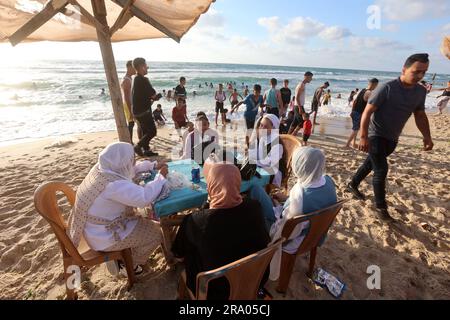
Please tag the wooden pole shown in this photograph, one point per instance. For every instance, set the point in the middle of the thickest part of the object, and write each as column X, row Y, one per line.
column 99, row 9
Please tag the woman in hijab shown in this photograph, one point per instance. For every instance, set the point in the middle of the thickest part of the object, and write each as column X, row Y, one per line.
column 104, row 207
column 313, row 191
column 265, row 147
column 231, row 229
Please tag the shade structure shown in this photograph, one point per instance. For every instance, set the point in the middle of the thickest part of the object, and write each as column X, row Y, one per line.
column 445, row 47
column 104, row 21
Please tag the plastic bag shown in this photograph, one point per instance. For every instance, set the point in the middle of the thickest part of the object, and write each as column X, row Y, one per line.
column 330, row 282
column 177, row 180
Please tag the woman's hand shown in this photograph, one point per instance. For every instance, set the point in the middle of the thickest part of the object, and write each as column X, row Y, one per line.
column 164, row 171
column 160, row 165
column 280, row 197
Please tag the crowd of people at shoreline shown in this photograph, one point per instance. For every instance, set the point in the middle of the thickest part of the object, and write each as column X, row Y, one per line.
column 202, row 242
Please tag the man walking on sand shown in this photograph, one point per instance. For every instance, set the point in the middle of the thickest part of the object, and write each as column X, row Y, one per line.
column 386, row 114
column 299, row 107
column 143, row 97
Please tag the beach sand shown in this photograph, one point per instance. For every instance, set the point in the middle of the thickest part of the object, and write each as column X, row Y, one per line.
column 413, row 257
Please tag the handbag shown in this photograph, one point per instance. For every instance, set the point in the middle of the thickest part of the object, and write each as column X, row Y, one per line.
column 249, row 170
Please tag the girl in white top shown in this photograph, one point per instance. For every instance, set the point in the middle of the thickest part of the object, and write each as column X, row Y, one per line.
column 265, row 135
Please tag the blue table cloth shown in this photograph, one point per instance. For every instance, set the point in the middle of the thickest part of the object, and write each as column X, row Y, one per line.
column 188, row 198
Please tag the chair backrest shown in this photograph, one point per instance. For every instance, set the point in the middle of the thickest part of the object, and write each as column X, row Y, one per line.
column 244, row 275
column 319, row 223
column 290, row 144
column 46, row 204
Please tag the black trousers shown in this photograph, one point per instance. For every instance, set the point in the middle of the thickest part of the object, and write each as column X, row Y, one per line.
column 148, row 128
column 379, row 150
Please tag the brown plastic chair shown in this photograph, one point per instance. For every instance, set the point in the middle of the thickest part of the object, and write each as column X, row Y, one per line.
column 46, row 204
column 290, row 144
column 320, row 221
column 244, row 276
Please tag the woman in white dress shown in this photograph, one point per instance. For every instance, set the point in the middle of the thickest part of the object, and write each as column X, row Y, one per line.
column 105, row 202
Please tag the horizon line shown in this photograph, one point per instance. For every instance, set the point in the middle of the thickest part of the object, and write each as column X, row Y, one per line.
column 234, row 63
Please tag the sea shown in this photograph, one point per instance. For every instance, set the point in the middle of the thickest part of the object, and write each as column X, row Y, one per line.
column 61, row 98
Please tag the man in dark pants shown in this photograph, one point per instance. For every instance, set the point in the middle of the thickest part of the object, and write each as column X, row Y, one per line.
column 386, row 114
column 143, row 97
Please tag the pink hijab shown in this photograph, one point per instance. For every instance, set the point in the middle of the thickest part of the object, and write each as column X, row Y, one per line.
column 224, row 185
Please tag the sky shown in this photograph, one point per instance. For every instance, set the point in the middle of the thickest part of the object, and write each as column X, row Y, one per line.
column 349, row 34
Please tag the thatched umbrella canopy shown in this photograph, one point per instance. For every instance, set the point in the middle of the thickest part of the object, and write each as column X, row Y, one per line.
column 445, row 47
column 105, row 21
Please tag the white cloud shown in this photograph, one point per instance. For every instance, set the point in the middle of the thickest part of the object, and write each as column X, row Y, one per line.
column 434, row 37
column 377, row 43
column 391, row 28
column 408, row 10
column 271, row 23
column 335, row 33
column 241, row 41
column 211, row 19
column 301, row 29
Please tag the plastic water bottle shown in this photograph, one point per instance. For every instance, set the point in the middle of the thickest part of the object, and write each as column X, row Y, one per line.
column 195, row 173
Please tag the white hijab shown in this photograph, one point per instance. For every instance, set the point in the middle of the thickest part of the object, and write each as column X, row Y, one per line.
column 117, row 159
column 308, row 165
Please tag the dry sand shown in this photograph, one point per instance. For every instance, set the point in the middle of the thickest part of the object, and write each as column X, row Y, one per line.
column 413, row 257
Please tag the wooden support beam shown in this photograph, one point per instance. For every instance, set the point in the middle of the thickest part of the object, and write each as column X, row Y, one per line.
column 92, row 21
column 123, row 18
column 144, row 17
column 109, row 63
column 49, row 11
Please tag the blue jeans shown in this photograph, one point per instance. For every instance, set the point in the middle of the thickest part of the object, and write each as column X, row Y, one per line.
column 259, row 194
column 379, row 149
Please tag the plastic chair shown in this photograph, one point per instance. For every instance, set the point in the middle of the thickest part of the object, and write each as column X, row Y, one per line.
column 320, row 222
column 290, row 145
column 244, row 276
column 46, row 204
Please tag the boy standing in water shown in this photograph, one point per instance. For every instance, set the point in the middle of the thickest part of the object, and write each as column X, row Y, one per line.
column 220, row 98
column 272, row 98
column 253, row 103
column 299, row 106
column 286, row 94
column 327, row 98
column 234, row 98
column 316, row 102
column 180, row 90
